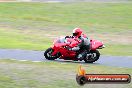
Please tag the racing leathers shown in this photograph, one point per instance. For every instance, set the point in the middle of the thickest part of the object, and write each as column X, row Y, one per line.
column 83, row 46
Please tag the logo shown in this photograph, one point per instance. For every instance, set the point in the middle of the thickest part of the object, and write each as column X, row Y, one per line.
column 83, row 78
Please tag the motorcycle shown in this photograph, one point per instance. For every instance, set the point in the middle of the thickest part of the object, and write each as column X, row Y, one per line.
column 61, row 50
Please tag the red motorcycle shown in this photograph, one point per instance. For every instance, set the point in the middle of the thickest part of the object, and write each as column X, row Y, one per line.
column 61, row 50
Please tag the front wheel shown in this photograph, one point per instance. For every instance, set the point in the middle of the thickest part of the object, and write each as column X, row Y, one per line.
column 92, row 56
column 48, row 54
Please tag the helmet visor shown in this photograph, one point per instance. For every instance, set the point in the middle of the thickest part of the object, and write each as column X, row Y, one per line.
column 75, row 34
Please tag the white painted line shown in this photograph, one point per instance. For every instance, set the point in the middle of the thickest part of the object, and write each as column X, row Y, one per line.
column 25, row 60
column 22, row 60
column 36, row 61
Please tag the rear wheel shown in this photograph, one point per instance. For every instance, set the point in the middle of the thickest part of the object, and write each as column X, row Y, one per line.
column 92, row 56
column 48, row 54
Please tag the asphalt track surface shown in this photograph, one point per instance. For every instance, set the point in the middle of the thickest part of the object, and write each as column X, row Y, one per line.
column 117, row 61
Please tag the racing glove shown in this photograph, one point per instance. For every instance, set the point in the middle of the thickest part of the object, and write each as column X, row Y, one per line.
column 75, row 48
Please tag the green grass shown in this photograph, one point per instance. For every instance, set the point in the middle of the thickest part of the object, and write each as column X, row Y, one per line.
column 16, row 74
column 85, row 15
column 119, row 50
column 34, row 25
column 14, row 39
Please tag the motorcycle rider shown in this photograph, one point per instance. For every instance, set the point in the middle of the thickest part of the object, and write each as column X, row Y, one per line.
column 84, row 44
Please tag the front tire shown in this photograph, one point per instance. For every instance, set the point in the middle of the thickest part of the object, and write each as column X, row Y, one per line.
column 48, row 54
column 92, row 56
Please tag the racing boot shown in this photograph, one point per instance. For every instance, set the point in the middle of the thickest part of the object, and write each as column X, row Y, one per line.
column 82, row 55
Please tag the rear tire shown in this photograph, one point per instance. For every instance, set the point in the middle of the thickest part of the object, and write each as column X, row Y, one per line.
column 94, row 56
column 48, row 55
